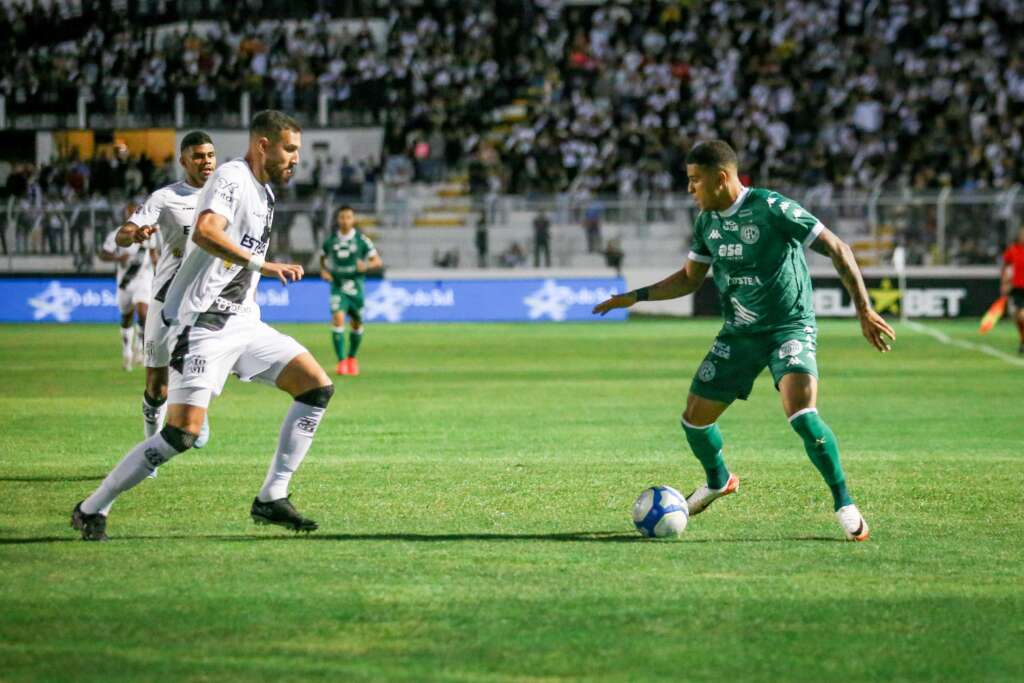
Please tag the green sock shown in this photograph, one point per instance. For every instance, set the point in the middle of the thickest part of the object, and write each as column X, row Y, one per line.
column 338, row 337
column 706, row 443
column 355, row 338
column 823, row 450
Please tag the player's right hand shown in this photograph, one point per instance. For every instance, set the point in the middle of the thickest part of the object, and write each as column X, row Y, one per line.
column 143, row 233
column 285, row 272
column 617, row 301
column 326, row 275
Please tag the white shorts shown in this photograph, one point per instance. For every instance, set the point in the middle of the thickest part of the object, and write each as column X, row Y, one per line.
column 158, row 337
column 202, row 359
column 137, row 292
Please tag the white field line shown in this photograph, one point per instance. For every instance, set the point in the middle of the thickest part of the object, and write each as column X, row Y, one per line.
column 970, row 346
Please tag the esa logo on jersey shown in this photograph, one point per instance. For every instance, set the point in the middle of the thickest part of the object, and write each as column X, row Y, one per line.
column 252, row 244
column 749, row 233
column 730, row 250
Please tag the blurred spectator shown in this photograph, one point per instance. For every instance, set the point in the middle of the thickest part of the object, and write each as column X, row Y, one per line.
column 480, row 239
column 592, row 224
column 541, row 240
column 614, row 255
column 446, row 259
column 513, row 257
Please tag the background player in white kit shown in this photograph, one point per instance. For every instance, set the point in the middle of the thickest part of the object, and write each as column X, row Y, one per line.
column 212, row 300
column 167, row 217
column 134, row 277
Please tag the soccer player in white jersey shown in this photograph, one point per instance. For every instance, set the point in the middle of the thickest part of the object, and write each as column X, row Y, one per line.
column 218, row 331
column 134, row 277
column 167, row 216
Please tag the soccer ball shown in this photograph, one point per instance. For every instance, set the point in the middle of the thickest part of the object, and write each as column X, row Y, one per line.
column 661, row 512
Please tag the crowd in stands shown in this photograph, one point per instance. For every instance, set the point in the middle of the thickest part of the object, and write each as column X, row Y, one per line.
column 845, row 93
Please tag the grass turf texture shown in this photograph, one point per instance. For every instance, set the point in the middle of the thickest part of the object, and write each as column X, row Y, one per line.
column 473, row 488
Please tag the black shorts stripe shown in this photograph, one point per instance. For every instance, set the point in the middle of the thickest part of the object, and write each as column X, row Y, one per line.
column 180, row 351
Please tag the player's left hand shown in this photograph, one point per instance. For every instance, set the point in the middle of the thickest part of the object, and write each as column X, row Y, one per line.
column 143, row 233
column 284, row 272
column 617, row 301
column 875, row 330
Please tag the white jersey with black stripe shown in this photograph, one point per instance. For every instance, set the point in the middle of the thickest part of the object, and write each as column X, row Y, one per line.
column 208, row 290
column 137, row 270
column 171, row 208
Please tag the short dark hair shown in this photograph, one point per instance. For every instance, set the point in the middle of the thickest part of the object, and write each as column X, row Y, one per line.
column 712, row 154
column 269, row 123
column 195, row 138
column 345, row 207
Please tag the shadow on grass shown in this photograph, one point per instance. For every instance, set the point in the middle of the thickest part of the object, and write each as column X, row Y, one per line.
column 568, row 537
column 52, row 480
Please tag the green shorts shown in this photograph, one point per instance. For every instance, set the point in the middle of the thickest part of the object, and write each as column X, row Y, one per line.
column 735, row 360
column 347, row 298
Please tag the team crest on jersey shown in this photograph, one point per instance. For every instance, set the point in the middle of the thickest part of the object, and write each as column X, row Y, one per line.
column 749, row 233
column 791, row 348
column 706, row 373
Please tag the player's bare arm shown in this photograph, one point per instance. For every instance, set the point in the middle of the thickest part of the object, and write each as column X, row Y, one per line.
column 684, row 281
column 1005, row 280
column 325, row 273
column 369, row 264
column 129, row 234
column 209, row 236
column 111, row 257
column 872, row 325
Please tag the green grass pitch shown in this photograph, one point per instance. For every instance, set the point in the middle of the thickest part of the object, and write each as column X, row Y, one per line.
column 473, row 488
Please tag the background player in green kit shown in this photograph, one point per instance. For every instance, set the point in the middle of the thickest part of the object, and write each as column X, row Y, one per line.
column 347, row 255
column 754, row 238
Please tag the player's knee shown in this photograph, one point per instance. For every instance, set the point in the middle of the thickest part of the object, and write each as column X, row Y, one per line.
column 178, row 439
column 318, row 398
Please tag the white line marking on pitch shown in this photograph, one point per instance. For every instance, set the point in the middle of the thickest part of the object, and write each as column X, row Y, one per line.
column 970, row 346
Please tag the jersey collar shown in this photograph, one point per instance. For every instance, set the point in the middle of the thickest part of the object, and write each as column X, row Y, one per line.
column 736, row 204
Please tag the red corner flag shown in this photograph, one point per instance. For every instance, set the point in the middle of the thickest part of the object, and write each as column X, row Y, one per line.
column 992, row 316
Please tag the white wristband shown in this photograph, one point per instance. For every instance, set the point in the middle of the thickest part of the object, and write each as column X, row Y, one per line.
column 255, row 262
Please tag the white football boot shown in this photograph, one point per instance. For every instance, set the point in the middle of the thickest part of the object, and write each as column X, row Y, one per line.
column 853, row 523
column 704, row 496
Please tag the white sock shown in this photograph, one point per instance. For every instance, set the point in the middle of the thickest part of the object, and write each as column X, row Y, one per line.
column 296, row 437
column 133, row 468
column 127, row 337
column 153, row 415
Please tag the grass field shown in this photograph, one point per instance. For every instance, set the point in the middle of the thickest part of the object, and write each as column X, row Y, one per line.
column 473, row 488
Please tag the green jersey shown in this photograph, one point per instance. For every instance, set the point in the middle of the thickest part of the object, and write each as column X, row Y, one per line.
column 342, row 252
column 755, row 248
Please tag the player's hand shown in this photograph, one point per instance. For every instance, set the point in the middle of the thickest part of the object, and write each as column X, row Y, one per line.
column 617, row 301
column 326, row 275
column 124, row 258
column 143, row 233
column 285, row 272
column 360, row 266
column 875, row 330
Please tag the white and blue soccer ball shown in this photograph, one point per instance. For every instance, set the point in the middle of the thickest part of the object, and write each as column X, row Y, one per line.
column 661, row 512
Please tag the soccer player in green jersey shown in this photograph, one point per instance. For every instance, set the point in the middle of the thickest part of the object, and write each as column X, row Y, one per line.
column 347, row 255
column 754, row 238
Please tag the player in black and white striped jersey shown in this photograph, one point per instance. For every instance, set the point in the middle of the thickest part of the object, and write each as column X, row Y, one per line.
column 134, row 277
column 219, row 332
column 167, row 217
